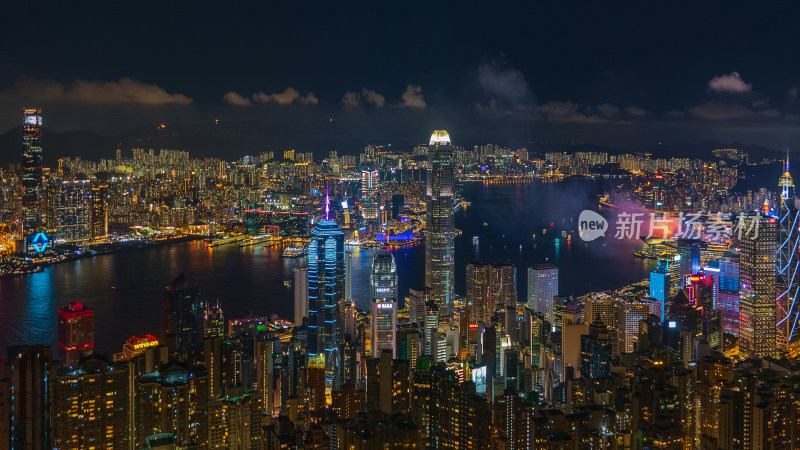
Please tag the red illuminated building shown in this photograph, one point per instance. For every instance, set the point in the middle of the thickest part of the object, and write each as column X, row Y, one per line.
column 75, row 333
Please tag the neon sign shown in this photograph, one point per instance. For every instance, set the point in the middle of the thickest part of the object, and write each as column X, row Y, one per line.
column 40, row 242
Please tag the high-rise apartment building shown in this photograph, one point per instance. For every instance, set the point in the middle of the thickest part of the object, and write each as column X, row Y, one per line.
column 75, row 333
column 91, row 406
column 439, row 231
column 542, row 287
column 383, row 303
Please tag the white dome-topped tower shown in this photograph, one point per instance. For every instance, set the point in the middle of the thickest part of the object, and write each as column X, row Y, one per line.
column 440, row 137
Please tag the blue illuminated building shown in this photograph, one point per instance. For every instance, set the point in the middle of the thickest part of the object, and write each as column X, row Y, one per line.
column 326, row 288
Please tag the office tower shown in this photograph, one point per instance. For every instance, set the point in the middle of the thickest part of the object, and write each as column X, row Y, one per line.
column 758, row 248
column 370, row 195
column 300, row 295
column 439, row 231
column 91, row 406
column 600, row 304
column 542, row 287
column 213, row 321
column 348, row 277
column 32, row 372
column 173, row 400
column 99, row 211
column 430, row 327
column 75, row 333
column 408, row 344
column 659, row 287
column 727, row 284
column 415, row 302
column 73, row 204
column 629, row 313
column 596, row 351
column 267, row 358
column 383, row 303
column 326, row 284
column 689, row 252
column 398, row 202
column 490, row 288
column 32, row 175
column 538, row 335
column 183, row 313
column 788, row 335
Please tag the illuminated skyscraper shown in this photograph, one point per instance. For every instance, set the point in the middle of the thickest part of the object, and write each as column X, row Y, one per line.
column 758, row 248
column 300, row 295
column 689, row 252
column 439, row 226
column 183, row 314
column 370, row 196
column 32, row 371
column 383, row 303
column 32, row 189
column 596, row 351
column 788, row 336
column 728, row 292
column 91, row 406
column 326, row 290
column 542, row 287
column 214, row 321
column 99, row 213
column 490, row 287
column 75, row 333
column 73, row 211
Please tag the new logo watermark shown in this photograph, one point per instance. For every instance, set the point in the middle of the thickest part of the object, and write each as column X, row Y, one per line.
column 631, row 225
column 591, row 225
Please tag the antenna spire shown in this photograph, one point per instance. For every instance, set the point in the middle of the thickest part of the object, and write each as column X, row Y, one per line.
column 787, row 159
column 327, row 203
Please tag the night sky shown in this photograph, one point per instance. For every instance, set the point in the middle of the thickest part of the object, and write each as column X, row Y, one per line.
column 608, row 73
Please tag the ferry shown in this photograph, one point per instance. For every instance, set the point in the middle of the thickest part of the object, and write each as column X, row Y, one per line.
column 294, row 252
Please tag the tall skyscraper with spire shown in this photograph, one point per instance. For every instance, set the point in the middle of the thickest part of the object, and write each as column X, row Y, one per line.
column 439, row 226
column 32, row 189
column 326, row 293
column 383, row 303
column 788, row 279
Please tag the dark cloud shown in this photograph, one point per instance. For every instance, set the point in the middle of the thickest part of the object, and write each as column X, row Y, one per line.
column 732, row 82
column 126, row 90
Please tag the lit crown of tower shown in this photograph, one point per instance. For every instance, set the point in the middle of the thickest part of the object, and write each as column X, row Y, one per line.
column 440, row 137
column 785, row 181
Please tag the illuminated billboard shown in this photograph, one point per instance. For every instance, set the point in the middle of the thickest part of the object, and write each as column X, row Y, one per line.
column 479, row 378
column 38, row 242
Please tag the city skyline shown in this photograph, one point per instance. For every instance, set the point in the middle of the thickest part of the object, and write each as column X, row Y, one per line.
column 332, row 226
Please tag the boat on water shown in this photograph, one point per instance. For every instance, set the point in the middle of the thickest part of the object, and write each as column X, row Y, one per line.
column 294, row 252
column 485, row 224
column 475, row 239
